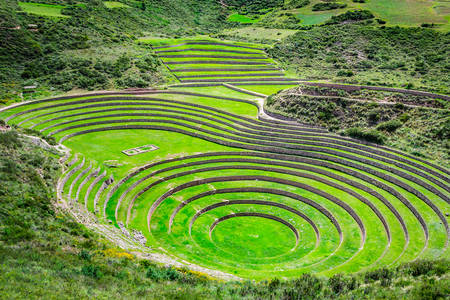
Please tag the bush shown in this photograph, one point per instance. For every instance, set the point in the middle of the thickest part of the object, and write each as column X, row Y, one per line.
column 374, row 115
column 351, row 15
column 383, row 274
column 431, row 289
column 425, row 267
column 158, row 274
column 291, row 4
column 390, row 126
column 345, row 73
column 10, row 139
column 328, row 6
column 339, row 283
column 372, row 136
column 305, row 287
column 92, row 271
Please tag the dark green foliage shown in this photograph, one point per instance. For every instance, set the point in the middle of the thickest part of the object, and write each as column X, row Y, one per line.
column 345, row 73
column 290, row 4
column 91, row 271
column 372, row 136
column 351, row 15
column 389, row 56
column 425, row 267
column 305, row 287
column 10, row 139
column 253, row 6
column 49, row 56
column 340, row 284
column 328, row 6
column 390, row 126
column 162, row 274
column 431, row 289
column 383, row 274
column 443, row 132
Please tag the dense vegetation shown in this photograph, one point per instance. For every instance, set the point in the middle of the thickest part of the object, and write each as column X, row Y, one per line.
column 93, row 48
column 45, row 253
column 392, row 56
column 412, row 123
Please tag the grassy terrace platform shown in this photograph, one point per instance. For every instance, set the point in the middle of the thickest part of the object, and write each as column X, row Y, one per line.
column 231, row 189
column 211, row 60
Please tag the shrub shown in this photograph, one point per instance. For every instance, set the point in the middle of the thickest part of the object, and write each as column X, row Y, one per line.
column 273, row 284
column 84, row 255
column 10, row 139
column 444, row 131
column 158, row 274
column 339, row 283
column 345, row 73
column 372, row 136
column 305, row 287
column 382, row 274
column 290, row 4
column 351, row 15
column 374, row 115
column 431, row 289
column 404, row 117
column 425, row 267
column 390, row 126
column 328, row 6
column 92, row 271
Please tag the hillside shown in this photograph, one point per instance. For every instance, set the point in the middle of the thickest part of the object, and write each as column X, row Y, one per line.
column 262, row 149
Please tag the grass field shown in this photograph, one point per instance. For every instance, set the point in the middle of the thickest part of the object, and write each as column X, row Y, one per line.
column 46, row 10
column 231, row 189
column 399, row 12
column 115, row 4
column 241, row 19
column 259, row 33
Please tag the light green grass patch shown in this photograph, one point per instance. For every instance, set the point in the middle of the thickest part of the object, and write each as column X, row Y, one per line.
column 266, row 89
column 258, row 33
column 154, row 41
column 115, row 4
column 46, row 10
column 399, row 12
column 241, row 19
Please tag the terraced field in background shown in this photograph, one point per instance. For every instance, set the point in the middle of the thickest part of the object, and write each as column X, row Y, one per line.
column 210, row 62
column 232, row 189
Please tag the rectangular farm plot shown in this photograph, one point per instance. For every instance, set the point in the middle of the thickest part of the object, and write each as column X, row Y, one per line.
column 46, row 10
column 140, row 150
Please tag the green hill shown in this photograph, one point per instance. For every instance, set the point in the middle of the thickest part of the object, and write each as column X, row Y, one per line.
column 224, row 149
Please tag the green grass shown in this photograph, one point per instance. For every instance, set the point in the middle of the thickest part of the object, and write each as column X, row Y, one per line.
column 259, row 33
column 115, row 4
column 156, row 41
column 241, row 19
column 401, row 12
column 266, row 89
column 46, row 10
